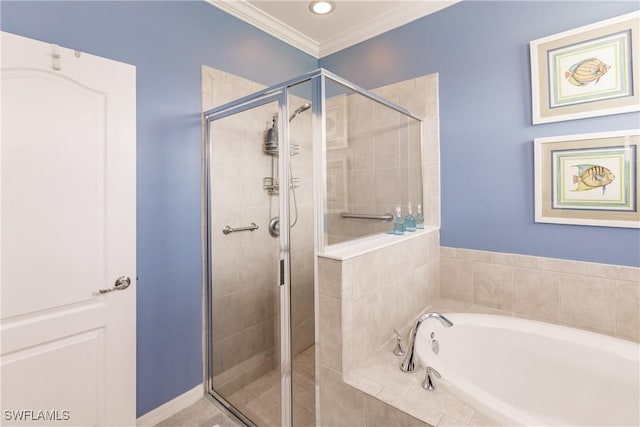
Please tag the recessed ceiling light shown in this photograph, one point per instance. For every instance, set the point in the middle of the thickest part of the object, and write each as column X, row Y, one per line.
column 321, row 7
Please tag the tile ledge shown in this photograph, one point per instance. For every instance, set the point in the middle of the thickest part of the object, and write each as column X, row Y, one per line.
column 359, row 379
column 363, row 245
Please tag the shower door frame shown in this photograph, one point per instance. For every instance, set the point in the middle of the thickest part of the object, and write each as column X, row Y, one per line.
column 279, row 93
column 283, row 245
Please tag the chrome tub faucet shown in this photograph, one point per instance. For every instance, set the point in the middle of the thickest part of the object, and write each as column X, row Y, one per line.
column 409, row 364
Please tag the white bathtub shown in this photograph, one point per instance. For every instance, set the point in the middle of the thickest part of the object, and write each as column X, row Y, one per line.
column 523, row 372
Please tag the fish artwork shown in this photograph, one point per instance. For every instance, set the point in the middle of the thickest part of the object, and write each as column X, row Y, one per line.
column 586, row 71
column 591, row 177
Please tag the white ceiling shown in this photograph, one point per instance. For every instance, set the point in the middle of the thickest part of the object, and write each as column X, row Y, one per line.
column 352, row 21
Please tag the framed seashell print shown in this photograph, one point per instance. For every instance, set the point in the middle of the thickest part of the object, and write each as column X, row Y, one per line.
column 588, row 179
column 587, row 72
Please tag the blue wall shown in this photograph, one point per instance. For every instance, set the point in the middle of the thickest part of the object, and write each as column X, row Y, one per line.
column 167, row 42
column 481, row 50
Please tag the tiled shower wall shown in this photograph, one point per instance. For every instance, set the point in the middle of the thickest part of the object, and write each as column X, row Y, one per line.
column 378, row 169
column 383, row 161
column 597, row 297
column 245, row 282
column 420, row 97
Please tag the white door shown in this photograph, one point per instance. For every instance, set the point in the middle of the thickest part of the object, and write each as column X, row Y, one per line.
column 67, row 179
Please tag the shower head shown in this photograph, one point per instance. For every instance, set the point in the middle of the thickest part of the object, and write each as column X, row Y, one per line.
column 300, row 109
column 270, row 145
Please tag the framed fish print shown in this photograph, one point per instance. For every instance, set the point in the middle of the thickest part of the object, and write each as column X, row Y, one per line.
column 588, row 179
column 587, row 72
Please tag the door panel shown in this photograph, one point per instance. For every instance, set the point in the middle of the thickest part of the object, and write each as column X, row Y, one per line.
column 78, row 360
column 245, row 309
column 67, row 231
column 56, row 213
column 301, row 248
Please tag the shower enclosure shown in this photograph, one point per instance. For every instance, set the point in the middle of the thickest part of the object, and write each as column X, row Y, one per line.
column 289, row 170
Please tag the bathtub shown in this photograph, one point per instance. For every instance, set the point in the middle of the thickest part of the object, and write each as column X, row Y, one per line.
column 523, row 372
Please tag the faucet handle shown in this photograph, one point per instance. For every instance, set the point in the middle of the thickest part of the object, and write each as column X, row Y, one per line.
column 428, row 383
column 398, row 351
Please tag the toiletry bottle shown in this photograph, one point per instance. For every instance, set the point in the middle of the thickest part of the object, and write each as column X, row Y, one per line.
column 419, row 218
column 398, row 225
column 409, row 220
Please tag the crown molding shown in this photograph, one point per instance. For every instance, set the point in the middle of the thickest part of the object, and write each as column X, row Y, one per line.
column 250, row 14
column 380, row 25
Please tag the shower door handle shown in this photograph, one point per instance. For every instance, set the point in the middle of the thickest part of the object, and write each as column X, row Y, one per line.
column 281, row 272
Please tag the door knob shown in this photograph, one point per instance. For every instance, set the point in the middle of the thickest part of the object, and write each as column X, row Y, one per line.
column 122, row 283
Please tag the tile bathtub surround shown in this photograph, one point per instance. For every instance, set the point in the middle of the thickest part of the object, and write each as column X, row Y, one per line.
column 362, row 298
column 370, row 294
column 375, row 292
column 380, row 377
column 367, row 388
column 597, row 297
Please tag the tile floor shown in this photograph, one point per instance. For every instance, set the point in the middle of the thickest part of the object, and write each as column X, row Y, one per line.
column 203, row 413
column 259, row 401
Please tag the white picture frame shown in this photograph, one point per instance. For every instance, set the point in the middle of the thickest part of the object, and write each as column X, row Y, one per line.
column 588, row 179
column 586, row 72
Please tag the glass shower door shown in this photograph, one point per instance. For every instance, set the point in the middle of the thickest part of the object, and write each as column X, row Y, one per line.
column 301, row 248
column 246, row 266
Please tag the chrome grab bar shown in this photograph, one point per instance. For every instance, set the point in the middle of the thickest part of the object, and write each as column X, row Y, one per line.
column 385, row 217
column 227, row 229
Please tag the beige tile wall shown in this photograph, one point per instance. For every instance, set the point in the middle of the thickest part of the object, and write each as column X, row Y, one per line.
column 386, row 166
column 386, row 289
column 364, row 298
column 245, row 288
column 597, row 297
column 420, row 97
column 361, row 300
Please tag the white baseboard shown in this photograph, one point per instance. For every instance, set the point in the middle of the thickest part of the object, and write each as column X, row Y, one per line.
column 164, row 411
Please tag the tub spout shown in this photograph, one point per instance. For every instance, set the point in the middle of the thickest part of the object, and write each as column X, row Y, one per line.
column 409, row 363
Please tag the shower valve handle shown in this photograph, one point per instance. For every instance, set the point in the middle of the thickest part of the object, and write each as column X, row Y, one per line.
column 398, row 351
